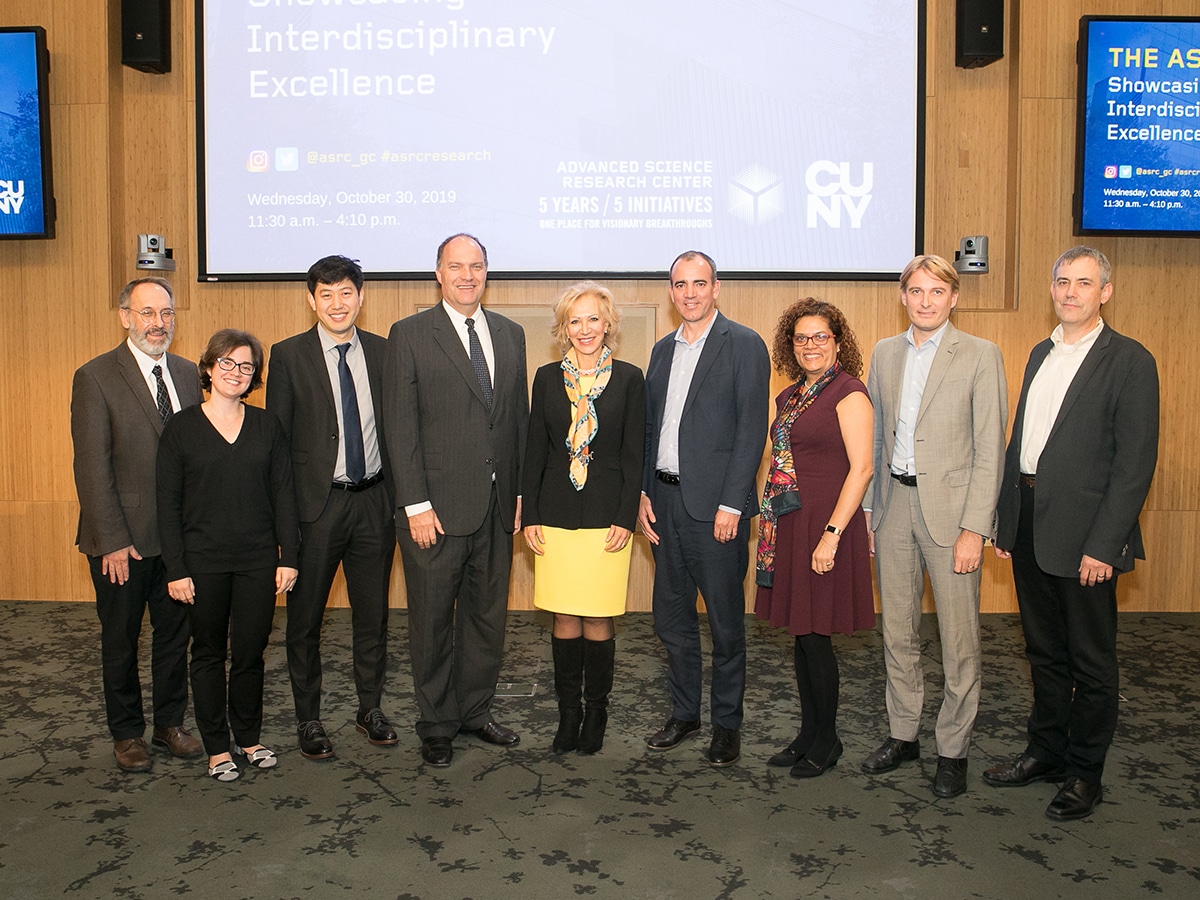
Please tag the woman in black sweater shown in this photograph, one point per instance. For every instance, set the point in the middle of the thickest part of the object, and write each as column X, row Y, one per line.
column 230, row 535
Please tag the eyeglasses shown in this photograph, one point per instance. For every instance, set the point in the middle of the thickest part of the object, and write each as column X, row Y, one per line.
column 149, row 315
column 228, row 365
column 820, row 339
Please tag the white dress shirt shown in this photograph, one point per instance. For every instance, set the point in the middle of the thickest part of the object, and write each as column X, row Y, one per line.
column 917, row 363
column 146, row 363
column 357, row 362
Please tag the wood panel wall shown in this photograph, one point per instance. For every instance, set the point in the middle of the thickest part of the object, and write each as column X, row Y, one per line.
column 1000, row 155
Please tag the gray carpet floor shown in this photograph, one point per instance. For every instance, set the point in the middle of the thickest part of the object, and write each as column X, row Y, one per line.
column 375, row 822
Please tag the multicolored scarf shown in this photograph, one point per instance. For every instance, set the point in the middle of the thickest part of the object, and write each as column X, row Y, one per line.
column 584, row 423
column 780, row 495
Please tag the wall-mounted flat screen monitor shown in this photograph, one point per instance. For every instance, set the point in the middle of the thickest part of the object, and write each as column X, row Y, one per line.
column 1137, row 166
column 26, row 175
column 783, row 138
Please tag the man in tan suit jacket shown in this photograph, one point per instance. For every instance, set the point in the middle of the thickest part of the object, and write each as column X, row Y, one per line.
column 940, row 408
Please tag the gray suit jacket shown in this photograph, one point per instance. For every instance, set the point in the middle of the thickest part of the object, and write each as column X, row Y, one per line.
column 959, row 436
column 724, row 424
column 1095, row 470
column 444, row 444
column 300, row 394
column 115, row 427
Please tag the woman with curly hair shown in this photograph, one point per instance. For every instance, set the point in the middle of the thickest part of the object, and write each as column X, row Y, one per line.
column 813, row 567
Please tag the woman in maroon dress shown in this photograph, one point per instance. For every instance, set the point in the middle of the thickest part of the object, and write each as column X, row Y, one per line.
column 813, row 567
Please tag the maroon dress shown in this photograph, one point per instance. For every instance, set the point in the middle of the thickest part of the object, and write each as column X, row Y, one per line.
column 800, row 600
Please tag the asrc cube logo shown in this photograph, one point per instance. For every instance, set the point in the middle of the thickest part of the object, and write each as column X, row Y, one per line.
column 258, row 161
column 1110, row 171
column 756, row 195
column 287, row 159
column 831, row 189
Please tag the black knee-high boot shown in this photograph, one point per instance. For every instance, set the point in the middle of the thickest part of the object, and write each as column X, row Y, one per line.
column 568, row 684
column 598, row 659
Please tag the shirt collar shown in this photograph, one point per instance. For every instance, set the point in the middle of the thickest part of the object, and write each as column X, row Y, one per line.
column 1080, row 345
column 459, row 320
column 935, row 339
column 145, row 361
column 680, row 339
column 328, row 343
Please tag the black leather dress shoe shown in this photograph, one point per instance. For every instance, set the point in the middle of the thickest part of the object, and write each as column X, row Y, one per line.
column 314, row 743
column 790, row 755
column 1075, row 800
column 951, row 777
column 672, row 733
column 726, row 747
column 374, row 724
column 495, row 733
column 805, row 767
column 889, row 756
column 1022, row 771
column 437, row 751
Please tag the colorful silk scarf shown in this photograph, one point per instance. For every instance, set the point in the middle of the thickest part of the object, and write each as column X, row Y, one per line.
column 780, row 495
column 584, row 423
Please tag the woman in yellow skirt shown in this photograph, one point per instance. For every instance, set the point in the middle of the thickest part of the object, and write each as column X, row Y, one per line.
column 580, row 486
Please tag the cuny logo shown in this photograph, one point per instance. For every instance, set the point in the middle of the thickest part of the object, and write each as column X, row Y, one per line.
column 831, row 188
column 258, row 161
column 11, row 199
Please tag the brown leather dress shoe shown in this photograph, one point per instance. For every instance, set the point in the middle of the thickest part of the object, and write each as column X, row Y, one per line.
column 132, row 755
column 495, row 733
column 176, row 739
column 890, row 754
column 1021, row 771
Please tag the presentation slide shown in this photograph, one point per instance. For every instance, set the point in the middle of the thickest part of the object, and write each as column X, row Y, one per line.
column 1139, row 162
column 22, row 210
column 781, row 137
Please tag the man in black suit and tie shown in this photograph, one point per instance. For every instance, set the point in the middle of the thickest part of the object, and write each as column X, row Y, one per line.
column 706, row 422
column 343, row 492
column 119, row 404
column 456, row 416
column 1078, row 469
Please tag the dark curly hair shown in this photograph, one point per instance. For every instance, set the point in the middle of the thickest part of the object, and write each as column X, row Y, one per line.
column 783, row 354
column 225, row 342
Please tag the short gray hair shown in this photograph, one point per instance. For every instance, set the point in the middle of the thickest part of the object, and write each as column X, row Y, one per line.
column 1082, row 252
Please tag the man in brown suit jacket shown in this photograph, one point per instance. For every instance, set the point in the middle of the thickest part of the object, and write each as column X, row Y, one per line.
column 119, row 404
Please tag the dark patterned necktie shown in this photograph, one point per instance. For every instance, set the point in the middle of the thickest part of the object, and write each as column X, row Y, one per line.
column 356, row 457
column 479, row 363
column 162, row 398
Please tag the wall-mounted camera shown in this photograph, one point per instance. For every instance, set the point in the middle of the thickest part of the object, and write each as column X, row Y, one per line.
column 971, row 257
column 153, row 253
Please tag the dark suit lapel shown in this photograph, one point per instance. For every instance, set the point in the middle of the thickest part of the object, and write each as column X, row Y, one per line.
column 446, row 337
column 1079, row 382
column 184, row 374
column 937, row 371
column 313, row 360
column 717, row 336
column 505, row 352
column 137, row 384
column 1036, row 358
column 372, row 351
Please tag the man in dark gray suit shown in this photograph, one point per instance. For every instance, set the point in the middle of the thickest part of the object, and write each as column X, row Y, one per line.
column 343, row 493
column 119, row 403
column 1078, row 469
column 707, row 395
column 456, row 415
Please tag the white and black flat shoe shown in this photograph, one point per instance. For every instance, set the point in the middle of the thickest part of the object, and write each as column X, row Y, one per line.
column 224, row 771
column 262, row 758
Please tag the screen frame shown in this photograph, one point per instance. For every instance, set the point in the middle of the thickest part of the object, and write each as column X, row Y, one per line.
column 42, row 64
column 204, row 276
column 1081, row 105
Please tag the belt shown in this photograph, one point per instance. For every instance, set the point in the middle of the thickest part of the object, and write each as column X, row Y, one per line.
column 666, row 477
column 361, row 486
column 1027, row 480
column 906, row 480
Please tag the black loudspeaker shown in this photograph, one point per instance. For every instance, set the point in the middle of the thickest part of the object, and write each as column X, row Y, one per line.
column 146, row 35
column 979, row 33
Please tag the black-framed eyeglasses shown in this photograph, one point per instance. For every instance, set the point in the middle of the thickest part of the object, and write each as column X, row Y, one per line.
column 228, row 365
column 820, row 339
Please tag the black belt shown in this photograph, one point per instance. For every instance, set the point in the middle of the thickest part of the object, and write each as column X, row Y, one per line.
column 906, row 480
column 666, row 477
column 1027, row 480
column 361, row 486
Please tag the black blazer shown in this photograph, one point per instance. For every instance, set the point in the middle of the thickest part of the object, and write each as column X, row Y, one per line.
column 300, row 394
column 444, row 444
column 1095, row 472
column 611, row 494
column 724, row 425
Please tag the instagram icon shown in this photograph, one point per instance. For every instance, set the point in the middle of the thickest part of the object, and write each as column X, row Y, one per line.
column 258, row 161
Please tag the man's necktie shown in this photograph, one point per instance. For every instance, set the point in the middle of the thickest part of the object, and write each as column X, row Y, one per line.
column 479, row 364
column 162, row 398
column 356, row 457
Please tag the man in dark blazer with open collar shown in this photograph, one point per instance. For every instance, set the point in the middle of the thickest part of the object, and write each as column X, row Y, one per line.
column 343, row 492
column 707, row 402
column 456, row 415
column 119, row 404
column 1077, row 472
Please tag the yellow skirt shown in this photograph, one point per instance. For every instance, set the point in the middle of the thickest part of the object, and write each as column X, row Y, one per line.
column 576, row 577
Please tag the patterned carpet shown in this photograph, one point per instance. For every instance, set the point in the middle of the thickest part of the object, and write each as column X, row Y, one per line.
column 374, row 822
